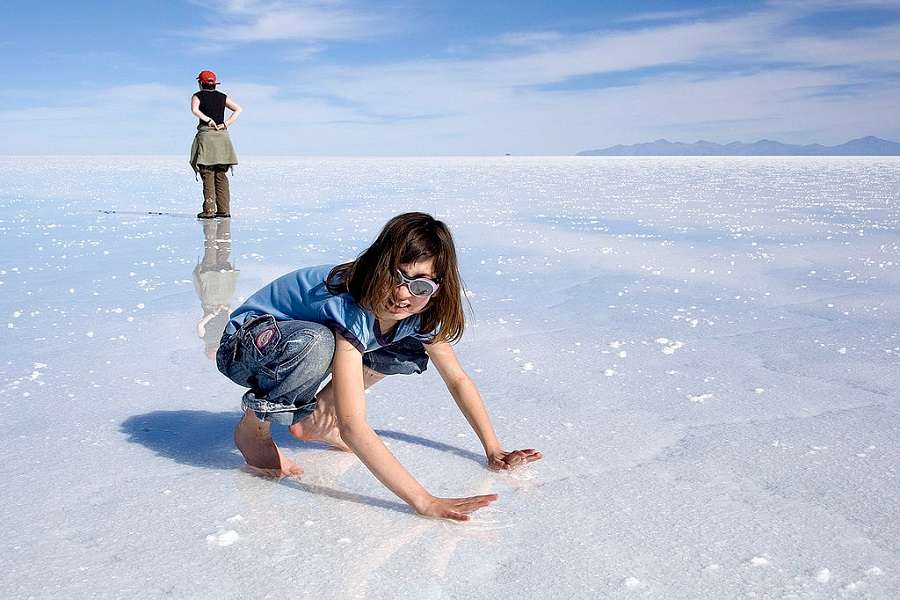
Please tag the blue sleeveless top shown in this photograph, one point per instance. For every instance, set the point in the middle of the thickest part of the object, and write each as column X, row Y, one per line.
column 302, row 296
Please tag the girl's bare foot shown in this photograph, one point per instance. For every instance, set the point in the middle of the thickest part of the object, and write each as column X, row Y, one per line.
column 319, row 427
column 287, row 468
column 254, row 440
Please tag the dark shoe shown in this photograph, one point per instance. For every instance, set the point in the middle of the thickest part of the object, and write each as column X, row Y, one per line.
column 206, row 215
column 223, row 215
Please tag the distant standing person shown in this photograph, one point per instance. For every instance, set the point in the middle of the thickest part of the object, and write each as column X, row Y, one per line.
column 212, row 153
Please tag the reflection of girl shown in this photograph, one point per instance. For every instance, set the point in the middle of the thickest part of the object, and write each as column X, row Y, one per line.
column 387, row 312
column 212, row 153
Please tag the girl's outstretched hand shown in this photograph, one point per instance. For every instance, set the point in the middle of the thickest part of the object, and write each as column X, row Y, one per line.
column 501, row 460
column 457, row 509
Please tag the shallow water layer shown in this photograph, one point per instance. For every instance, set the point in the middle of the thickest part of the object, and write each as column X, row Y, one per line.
column 707, row 350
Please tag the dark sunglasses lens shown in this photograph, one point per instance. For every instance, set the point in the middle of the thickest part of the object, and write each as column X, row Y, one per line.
column 418, row 287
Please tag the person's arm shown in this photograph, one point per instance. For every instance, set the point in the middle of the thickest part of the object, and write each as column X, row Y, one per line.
column 195, row 108
column 467, row 398
column 350, row 407
column 236, row 111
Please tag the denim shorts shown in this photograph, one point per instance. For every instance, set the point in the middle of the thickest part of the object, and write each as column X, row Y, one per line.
column 285, row 362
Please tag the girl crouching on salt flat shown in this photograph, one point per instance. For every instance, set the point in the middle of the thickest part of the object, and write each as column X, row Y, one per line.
column 387, row 312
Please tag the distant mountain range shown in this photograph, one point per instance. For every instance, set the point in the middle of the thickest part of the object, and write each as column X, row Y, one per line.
column 865, row 146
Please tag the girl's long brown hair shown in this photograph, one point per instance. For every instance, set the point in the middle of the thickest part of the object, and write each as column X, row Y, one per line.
column 407, row 238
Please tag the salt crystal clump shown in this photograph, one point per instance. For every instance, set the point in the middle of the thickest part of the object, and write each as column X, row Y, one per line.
column 223, row 538
column 633, row 583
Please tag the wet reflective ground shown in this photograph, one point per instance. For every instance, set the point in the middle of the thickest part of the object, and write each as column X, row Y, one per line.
column 707, row 351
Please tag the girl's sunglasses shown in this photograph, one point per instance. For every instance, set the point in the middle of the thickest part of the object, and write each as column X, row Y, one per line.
column 421, row 286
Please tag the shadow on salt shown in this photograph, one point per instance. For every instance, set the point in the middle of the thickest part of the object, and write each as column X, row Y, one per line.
column 205, row 439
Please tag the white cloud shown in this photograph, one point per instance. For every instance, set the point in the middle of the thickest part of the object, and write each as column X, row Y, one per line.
column 670, row 15
column 873, row 47
column 532, row 38
column 498, row 103
column 812, row 6
column 247, row 21
column 132, row 119
column 518, row 100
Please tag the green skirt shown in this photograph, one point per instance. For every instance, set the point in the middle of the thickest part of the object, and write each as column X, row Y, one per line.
column 212, row 147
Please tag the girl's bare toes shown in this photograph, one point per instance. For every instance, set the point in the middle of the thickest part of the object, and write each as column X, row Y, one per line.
column 288, row 467
column 267, row 473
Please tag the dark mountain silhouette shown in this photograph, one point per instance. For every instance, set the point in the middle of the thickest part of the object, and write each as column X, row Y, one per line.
column 865, row 146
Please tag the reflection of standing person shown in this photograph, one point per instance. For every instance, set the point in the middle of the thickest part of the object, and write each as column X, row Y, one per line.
column 215, row 279
column 212, row 152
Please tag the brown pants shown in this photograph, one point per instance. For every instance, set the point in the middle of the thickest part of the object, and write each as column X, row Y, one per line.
column 216, row 196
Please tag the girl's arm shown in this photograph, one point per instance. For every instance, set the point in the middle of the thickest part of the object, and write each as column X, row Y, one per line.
column 236, row 111
column 350, row 405
column 195, row 108
column 467, row 398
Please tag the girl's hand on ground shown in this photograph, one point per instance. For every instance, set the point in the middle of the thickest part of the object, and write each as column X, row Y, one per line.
column 502, row 461
column 457, row 509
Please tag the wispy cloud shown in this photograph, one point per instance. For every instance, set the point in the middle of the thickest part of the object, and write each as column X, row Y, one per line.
column 311, row 21
column 132, row 119
column 744, row 76
column 529, row 39
column 765, row 76
column 671, row 15
column 811, row 6
column 303, row 54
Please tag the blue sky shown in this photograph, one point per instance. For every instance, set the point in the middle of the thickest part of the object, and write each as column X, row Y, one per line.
column 416, row 77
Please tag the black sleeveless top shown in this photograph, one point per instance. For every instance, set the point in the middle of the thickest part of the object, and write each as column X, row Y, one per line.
column 212, row 104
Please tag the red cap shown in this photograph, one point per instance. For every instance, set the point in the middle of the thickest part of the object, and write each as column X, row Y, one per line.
column 207, row 77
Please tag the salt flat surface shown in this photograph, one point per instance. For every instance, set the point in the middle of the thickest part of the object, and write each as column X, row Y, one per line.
column 706, row 350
